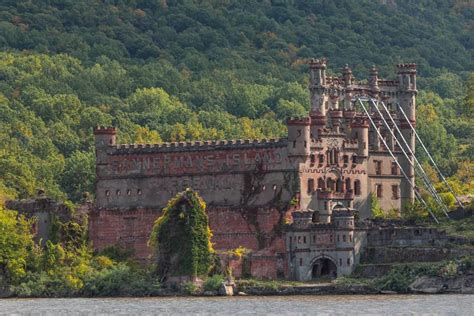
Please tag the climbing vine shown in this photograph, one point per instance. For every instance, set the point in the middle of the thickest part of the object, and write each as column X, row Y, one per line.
column 182, row 237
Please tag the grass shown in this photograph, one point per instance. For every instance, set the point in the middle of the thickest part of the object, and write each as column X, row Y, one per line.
column 461, row 228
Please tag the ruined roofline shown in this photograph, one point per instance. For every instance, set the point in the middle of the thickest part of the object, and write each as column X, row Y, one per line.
column 197, row 146
column 319, row 66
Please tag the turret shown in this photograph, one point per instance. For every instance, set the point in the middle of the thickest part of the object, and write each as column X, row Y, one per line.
column 343, row 220
column 299, row 136
column 407, row 100
column 317, row 85
column 104, row 137
column 407, row 88
column 360, row 129
column 374, row 81
column 348, row 78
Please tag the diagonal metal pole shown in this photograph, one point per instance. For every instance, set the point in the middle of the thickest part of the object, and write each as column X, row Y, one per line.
column 418, row 196
column 416, row 165
column 429, row 156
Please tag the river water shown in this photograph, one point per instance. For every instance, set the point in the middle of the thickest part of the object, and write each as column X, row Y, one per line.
column 257, row 305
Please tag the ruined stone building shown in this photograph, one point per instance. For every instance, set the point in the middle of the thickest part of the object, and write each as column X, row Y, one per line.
column 317, row 178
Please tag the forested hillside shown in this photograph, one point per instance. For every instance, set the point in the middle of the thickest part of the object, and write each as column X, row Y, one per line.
column 175, row 70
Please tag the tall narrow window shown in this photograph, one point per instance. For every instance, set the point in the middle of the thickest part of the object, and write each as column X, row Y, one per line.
column 378, row 190
column 346, row 159
column 394, row 168
column 330, row 184
column 320, row 183
column 354, row 158
column 348, row 184
column 395, row 194
column 312, row 159
column 321, row 158
column 339, row 185
column 357, row 187
column 310, row 185
column 378, row 167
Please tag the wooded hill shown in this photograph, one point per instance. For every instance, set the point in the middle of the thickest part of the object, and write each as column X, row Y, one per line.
column 210, row 69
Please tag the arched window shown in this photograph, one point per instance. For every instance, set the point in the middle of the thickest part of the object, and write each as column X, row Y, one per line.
column 357, row 187
column 312, row 159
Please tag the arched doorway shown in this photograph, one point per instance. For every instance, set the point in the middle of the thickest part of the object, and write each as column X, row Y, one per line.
column 324, row 267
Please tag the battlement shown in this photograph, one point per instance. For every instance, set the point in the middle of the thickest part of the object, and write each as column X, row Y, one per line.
column 318, row 63
column 343, row 212
column 406, row 68
column 103, row 130
column 198, row 146
column 305, row 121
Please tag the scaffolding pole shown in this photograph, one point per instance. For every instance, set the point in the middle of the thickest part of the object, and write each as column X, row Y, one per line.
column 429, row 156
column 418, row 196
column 416, row 165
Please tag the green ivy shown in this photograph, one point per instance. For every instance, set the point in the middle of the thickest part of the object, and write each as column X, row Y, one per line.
column 182, row 237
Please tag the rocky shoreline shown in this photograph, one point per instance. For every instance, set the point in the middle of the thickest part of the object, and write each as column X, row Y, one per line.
column 460, row 284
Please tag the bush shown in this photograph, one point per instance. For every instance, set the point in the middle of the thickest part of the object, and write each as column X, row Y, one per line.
column 213, row 283
column 190, row 288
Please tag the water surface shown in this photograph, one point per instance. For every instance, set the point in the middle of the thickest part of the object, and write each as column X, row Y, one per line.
column 288, row 305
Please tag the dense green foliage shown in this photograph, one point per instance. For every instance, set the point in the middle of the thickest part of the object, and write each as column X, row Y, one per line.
column 62, row 269
column 175, row 70
column 182, row 237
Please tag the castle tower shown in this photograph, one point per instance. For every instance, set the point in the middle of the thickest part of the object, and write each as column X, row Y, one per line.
column 299, row 136
column 374, row 82
column 317, row 86
column 407, row 99
column 104, row 137
column 343, row 220
column 360, row 130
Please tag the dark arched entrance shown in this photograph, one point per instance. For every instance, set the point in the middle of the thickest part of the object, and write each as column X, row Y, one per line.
column 324, row 267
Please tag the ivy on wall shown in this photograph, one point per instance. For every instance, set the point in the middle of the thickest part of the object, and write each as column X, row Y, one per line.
column 182, row 237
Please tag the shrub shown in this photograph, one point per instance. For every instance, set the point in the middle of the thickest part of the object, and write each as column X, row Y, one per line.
column 190, row 288
column 213, row 283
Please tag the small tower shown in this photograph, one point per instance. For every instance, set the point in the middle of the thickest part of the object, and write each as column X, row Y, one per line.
column 407, row 100
column 104, row 137
column 343, row 221
column 360, row 129
column 348, row 79
column 374, row 82
column 317, row 85
column 299, row 140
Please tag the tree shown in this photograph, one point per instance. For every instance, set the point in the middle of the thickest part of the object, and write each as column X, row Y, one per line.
column 15, row 243
column 182, row 237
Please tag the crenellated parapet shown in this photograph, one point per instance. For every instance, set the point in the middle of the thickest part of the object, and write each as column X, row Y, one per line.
column 105, row 130
column 192, row 146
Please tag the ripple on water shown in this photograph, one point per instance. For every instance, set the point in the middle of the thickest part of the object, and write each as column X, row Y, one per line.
column 295, row 305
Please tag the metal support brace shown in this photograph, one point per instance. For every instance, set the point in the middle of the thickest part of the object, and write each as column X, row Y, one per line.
column 415, row 165
column 418, row 196
column 429, row 156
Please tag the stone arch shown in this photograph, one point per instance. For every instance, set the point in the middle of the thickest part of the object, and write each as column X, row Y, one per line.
column 323, row 266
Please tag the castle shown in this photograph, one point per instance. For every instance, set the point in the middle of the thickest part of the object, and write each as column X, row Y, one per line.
column 292, row 201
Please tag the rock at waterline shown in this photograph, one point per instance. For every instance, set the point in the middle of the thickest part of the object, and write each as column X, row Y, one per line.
column 226, row 289
column 463, row 284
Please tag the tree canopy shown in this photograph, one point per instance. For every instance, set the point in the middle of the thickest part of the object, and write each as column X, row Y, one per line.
column 175, row 70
